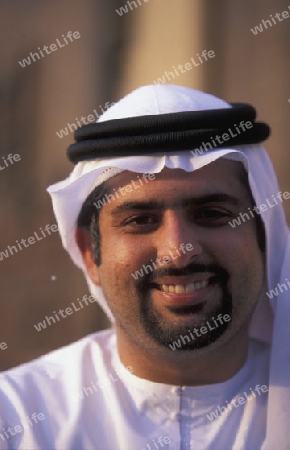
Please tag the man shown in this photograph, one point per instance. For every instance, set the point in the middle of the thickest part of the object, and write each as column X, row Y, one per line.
column 176, row 219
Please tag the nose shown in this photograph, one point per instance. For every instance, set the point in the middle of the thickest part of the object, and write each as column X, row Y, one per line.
column 178, row 239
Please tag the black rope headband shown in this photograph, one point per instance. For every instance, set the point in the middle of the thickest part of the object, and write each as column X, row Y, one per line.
column 171, row 132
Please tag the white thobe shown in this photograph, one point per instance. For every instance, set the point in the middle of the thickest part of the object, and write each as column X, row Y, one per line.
column 81, row 397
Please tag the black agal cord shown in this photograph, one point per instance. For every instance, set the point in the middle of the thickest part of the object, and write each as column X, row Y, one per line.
column 171, row 132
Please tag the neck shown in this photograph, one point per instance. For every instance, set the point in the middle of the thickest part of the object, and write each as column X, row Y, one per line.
column 185, row 368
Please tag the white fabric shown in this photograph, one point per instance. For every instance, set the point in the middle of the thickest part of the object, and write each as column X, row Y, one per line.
column 68, row 196
column 91, row 402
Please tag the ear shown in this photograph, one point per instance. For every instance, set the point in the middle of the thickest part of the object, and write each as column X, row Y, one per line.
column 83, row 239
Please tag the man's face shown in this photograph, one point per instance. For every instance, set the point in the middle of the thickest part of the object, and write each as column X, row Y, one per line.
column 184, row 286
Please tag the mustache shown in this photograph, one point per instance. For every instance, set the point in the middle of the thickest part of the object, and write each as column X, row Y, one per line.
column 190, row 269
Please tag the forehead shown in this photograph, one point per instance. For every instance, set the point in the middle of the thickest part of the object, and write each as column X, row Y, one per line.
column 219, row 176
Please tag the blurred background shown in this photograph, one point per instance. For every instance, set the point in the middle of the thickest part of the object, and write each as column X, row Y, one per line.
column 117, row 51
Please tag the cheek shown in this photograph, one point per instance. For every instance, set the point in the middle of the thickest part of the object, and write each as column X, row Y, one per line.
column 246, row 271
column 237, row 251
column 121, row 256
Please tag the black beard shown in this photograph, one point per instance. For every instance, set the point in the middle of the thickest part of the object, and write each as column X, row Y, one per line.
column 164, row 334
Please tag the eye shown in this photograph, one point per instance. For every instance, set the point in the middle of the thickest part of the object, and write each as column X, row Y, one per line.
column 212, row 216
column 211, row 213
column 141, row 221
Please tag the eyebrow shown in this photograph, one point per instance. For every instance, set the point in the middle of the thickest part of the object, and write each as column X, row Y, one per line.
column 183, row 203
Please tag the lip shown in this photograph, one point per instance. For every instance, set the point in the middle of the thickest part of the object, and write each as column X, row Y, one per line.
column 186, row 279
column 184, row 299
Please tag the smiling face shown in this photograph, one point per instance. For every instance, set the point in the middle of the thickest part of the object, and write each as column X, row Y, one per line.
column 170, row 262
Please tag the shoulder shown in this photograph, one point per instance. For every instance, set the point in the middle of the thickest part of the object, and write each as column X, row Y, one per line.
column 89, row 355
column 98, row 345
column 50, row 387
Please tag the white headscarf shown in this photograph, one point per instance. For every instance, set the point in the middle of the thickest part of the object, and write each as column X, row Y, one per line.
column 271, row 320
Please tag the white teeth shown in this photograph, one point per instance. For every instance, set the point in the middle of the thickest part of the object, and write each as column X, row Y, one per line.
column 183, row 288
column 180, row 288
column 190, row 287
